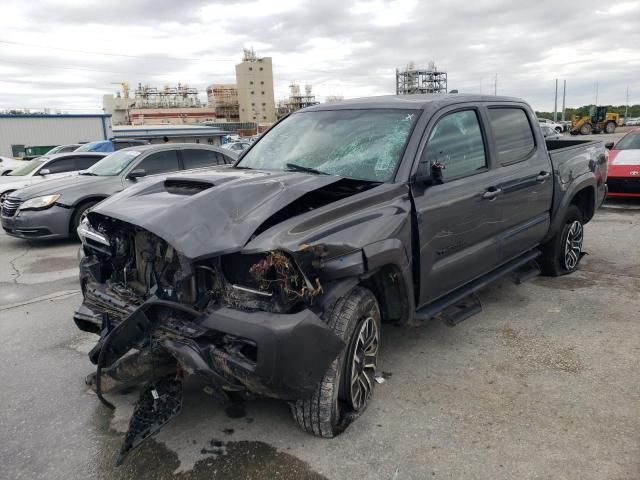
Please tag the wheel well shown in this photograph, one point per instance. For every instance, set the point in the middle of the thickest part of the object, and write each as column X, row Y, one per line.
column 387, row 284
column 80, row 204
column 585, row 201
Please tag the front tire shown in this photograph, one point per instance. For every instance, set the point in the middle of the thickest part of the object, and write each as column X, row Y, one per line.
column 562, row 253
column 78, row 215
column 347, row 386
column 586, row 129
column 610, row 127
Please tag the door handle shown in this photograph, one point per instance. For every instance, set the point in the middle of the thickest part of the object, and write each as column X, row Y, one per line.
column 543, row 176
column 491, row 193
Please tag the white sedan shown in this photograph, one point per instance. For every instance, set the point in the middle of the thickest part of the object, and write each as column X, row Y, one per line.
column 9, row 164
column 44, row 168
column 556, row 126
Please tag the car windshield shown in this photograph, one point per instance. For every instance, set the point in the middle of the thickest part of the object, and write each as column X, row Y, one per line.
column 54, row 150
column 359, row 144
column 28, row 167
column 113, row 164
column 629, row 142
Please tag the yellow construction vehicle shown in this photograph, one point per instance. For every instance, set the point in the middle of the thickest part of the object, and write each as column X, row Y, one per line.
column 598, row 121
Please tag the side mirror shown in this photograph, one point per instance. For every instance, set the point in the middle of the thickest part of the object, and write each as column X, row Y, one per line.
column 137, row 173
column 44, row 171
column 608, row 145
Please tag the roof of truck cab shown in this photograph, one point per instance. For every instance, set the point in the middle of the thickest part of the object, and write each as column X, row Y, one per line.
column 414, row 102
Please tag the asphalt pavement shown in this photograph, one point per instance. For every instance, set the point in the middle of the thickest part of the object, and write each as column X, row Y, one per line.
column 543, row 383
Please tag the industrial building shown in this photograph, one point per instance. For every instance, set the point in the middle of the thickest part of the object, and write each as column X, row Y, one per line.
column 296, row 100
column 179, row 105
column 223, row 98
column 17, row 132
column 254, row 78
column 414, row 80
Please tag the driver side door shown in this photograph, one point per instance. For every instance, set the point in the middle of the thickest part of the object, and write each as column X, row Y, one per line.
column 457, row 217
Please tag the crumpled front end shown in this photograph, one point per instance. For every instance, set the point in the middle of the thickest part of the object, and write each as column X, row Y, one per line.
column 244, row 323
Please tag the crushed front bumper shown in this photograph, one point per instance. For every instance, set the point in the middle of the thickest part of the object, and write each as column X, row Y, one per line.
column 290, row 352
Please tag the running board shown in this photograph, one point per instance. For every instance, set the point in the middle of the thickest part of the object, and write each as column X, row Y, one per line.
column 457, row 296
column 455, row 314
column 532, row 270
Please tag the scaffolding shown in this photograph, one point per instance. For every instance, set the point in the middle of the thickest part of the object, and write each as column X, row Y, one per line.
column 181, row 96
column 297, row 100
column 224, row 98
column 412, row 81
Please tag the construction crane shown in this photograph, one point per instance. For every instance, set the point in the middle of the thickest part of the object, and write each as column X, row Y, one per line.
column 125, row 88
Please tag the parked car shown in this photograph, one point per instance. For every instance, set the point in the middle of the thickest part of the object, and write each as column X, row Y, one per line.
column 46, row 167
column 8, row 164
column 624, row 166
column 237, row 147
column 54, row 209
column 63, row 148
column 632, row 122
column 549, row 132
column 555, row 125
column 272, row 277
column 110, row 145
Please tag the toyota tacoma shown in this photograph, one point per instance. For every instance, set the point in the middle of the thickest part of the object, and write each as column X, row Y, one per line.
column 272, row 278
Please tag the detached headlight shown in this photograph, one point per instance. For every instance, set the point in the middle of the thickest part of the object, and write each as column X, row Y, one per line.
column 40, row 203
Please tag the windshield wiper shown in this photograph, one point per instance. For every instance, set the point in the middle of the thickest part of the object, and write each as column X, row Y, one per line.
column 300, row 168
column 87, row 172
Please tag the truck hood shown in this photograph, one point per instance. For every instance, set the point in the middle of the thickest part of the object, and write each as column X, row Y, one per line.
column 214, row 213
column 66, row 186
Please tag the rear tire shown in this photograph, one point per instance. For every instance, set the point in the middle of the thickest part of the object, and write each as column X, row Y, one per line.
column 78, row 215
column 562, row 253
column 347, row 386
column 586, row 129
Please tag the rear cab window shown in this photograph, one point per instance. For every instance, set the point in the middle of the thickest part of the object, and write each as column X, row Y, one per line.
column 512, row 133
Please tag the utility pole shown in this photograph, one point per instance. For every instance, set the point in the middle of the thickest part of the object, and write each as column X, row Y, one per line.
column 564, row 95
column 596, row 94
column 495, row 85
column 626, row 107
column 555, row 104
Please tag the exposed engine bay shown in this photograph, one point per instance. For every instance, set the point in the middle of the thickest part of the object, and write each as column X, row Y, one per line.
column 242, row 321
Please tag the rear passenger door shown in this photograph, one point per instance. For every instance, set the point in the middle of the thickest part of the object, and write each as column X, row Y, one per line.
column 458, row 219
column 525, row 179
column 201, row 158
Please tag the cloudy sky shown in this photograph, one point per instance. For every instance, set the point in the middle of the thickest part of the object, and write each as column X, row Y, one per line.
column 65, row 53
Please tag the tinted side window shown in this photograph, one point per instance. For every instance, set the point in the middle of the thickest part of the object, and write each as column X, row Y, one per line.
column 193, row 158
column 62, row 165
column 85, row 162
column 160, row 162
column 513, row 134
column 456, row 144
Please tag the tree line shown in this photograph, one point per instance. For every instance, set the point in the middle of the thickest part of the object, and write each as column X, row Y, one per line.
column 634, row 111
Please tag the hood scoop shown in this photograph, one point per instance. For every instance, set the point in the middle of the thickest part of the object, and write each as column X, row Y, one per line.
column 186, row 187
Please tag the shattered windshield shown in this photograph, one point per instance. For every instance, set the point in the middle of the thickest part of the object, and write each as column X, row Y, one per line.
column 360, row 144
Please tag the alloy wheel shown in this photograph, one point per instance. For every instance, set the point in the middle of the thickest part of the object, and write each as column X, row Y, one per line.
column 573, row 245
column 363, row 364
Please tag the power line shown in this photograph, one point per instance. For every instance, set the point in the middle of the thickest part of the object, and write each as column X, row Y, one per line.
column 72, row 67
column 145, row 57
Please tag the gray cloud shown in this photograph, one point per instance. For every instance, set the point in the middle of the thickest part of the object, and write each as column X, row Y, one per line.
column 527, row 44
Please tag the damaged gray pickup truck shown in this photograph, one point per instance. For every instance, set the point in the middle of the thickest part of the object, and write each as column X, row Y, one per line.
column 272, row 278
